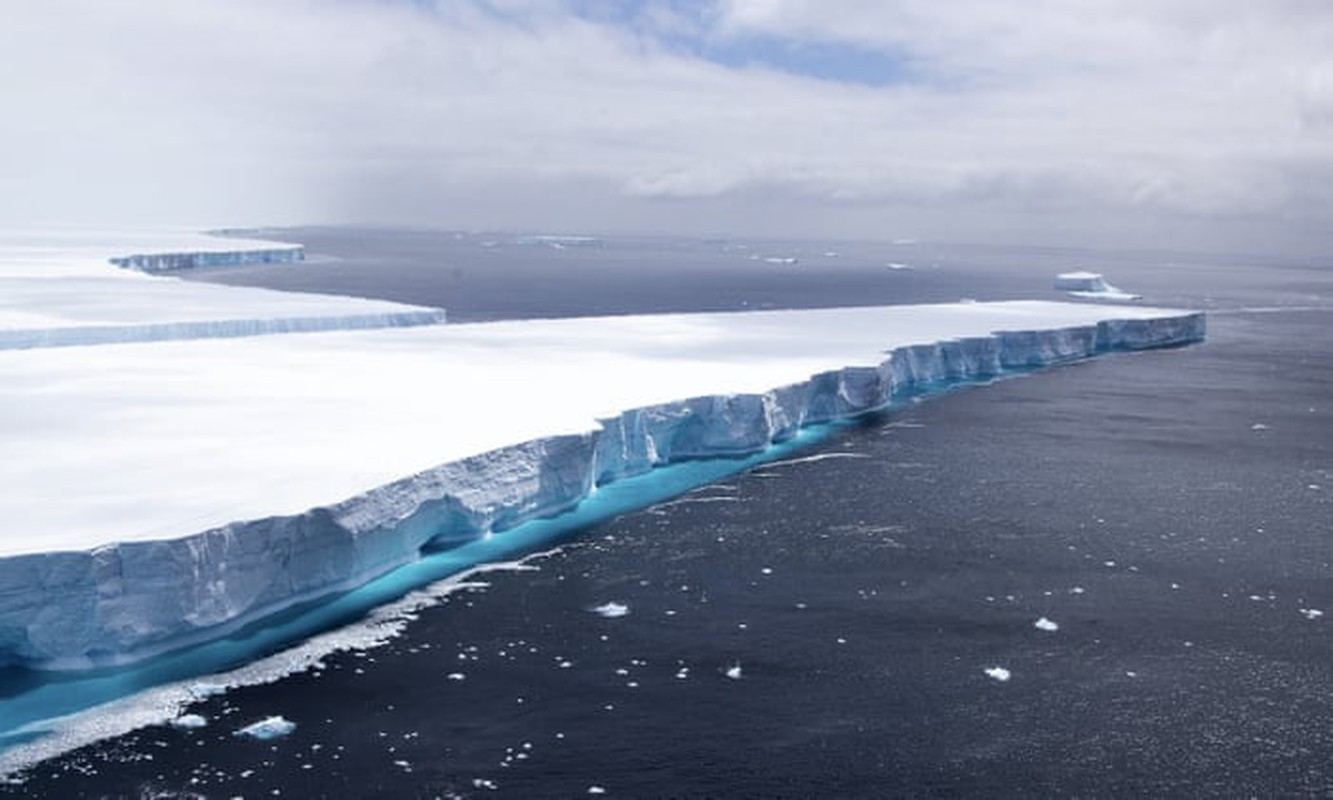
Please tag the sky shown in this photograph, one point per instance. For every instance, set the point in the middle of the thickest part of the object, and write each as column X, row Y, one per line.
column 1137, row 123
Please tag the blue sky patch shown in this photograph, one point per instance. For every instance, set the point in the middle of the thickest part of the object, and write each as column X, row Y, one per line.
column 692, row 35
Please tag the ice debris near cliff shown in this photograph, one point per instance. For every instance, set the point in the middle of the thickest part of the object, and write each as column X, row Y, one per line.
column 163, row 493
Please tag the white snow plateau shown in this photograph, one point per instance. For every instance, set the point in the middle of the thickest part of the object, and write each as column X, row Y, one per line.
column 183, row 458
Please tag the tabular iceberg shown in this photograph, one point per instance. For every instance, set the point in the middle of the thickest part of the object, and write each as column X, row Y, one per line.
column 55, row 295
column 519, row 420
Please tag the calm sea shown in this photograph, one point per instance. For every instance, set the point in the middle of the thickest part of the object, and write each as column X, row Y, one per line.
column 831, row 624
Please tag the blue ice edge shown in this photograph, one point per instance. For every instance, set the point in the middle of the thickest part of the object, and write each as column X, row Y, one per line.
column 261, row 585
column 30, row 697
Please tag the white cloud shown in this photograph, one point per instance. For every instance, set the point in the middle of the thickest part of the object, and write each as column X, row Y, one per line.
column 521, row 113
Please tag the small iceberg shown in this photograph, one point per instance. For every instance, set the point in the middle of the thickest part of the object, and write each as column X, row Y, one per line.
column 189, row 722
column 1091, row 285
column 611, row 610
column 267, row 728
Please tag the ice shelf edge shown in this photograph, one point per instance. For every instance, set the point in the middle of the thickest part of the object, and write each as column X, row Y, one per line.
column 124, row 602
column 82, row 335
column 267, row 253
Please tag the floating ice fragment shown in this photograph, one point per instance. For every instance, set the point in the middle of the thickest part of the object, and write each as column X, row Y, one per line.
column 1077, row 590
column 1311, row 613
column 734, row 671
column 267, row 728
column 611, row 610
column 596, row 790
column 767, row 570
column 187, row 722
column 998, row 673
column 1045, row 624
column 1258, row 426
column 1091, row 285
column 455, row 676
column 482, row 783
column 204, row 689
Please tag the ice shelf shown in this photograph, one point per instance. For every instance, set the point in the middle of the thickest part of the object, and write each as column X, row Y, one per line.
column 60, row 289
column 159, row 493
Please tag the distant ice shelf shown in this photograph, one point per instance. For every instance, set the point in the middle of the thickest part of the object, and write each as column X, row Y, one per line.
column 190, row 259
column 59, row 289
column 163, row 493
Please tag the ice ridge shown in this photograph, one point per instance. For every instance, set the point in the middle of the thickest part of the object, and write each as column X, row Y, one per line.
column 127, row 601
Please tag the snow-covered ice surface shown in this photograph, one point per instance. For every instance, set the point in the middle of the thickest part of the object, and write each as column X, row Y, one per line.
column 223, row 479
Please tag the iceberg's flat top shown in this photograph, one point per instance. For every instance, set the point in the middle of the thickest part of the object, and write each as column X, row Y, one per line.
column 155, row 440
column 59, row 280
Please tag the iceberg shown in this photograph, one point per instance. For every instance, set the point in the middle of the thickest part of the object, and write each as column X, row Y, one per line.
column 53, row 294
column 167, row 491
column 223, row 480
column 185, row 469
column 1091, row 285
column 268, row 728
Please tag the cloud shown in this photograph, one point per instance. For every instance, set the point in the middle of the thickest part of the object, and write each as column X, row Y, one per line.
column 902, row 117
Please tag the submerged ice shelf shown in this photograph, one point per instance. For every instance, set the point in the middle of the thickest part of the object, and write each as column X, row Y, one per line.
column 165, row 493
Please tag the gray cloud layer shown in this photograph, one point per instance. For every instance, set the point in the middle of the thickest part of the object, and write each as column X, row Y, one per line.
column 1094, row 121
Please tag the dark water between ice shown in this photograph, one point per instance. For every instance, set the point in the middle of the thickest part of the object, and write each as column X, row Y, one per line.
column 1171, row 512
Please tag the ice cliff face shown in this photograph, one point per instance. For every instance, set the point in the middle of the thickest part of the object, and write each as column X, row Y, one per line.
column 168, row 262
column 211, row 329
column 126, row 601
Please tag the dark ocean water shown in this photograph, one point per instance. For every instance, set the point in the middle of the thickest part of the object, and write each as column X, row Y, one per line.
column 821, row 626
